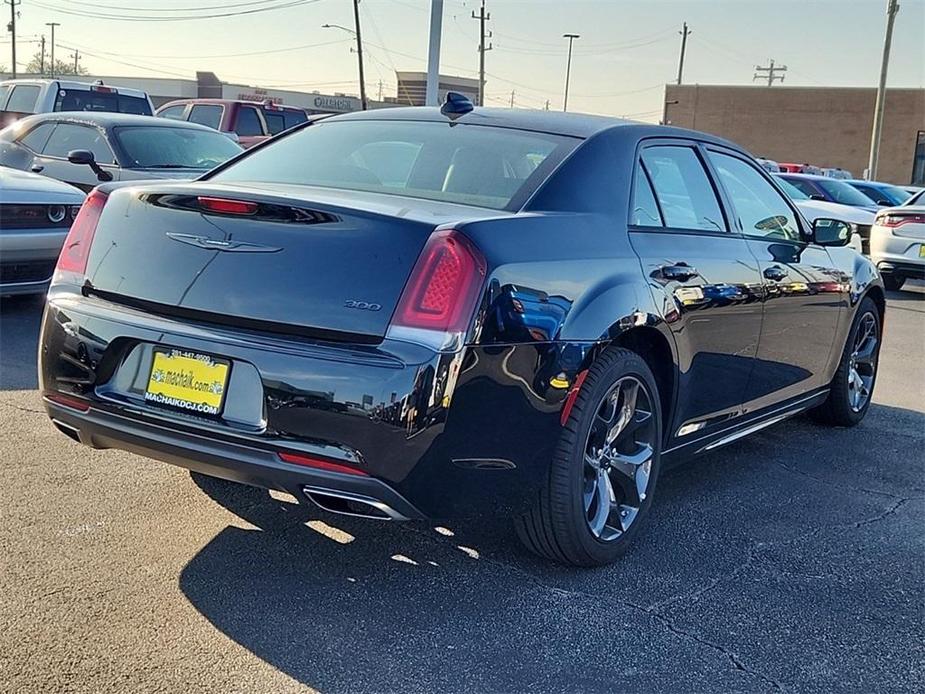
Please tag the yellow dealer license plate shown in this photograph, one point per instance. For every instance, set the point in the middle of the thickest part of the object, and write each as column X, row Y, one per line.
column 187, row 381
column 921, row 251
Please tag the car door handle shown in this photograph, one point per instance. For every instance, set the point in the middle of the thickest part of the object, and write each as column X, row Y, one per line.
column 775, row 273
column 680, row 272
column 38, row 168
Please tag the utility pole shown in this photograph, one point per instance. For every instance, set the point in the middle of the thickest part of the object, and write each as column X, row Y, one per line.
column 483, row 17
column 685, row 32
column 43, row 55
column 891, row 9
column 52, row 25
column 380, row 91
column 770, row 72
column 432, row 90
column 512, row 98
column 356, row 19
column 11, row 27
column 568, row 67
column 75, row 56
column 546, row 108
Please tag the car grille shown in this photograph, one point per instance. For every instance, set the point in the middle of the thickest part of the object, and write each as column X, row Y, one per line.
column 35, row 271
column 36, row 216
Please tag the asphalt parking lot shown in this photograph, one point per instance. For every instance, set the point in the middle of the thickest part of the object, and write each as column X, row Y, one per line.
column 793, row 560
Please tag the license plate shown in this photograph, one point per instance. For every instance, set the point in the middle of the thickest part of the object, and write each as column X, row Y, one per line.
column 921, row 251
column 187, row 381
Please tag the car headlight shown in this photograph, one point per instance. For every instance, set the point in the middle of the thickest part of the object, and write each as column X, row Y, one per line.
column 74, row 210
column 56, row 213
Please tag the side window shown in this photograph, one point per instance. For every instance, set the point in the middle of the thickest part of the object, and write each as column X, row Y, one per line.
column 69, row 136
column 683, row 190
column 36, row 138
column 294, row 118
column 762, row 211
column 645, row 209
column 248, row 122
column 207, row 114
column 23, row 98
column 276, row 121
column 173, row 112
column 803, row 185
column 5, row 90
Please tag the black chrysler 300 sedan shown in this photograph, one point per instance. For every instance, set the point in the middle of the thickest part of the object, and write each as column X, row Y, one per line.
column 417, row 313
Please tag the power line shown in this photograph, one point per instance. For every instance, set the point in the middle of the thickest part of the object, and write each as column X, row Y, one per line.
column 770, row 72
column 139, row 18
column 225, row 6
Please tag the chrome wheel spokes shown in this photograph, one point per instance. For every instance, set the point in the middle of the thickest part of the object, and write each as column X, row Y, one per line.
column 862, row 363
column 618, row 458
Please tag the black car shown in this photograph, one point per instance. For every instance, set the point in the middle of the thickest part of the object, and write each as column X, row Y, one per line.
column 84, row 149
column 531, row 318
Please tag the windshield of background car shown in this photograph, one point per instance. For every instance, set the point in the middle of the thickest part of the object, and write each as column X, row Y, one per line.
column 895, row 194
column 791, row 190
column 844, row 193
column 174, row 148
column 110, row 102
column 475, row 165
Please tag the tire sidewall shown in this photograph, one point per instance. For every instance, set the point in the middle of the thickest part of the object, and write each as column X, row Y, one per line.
column 841, row 389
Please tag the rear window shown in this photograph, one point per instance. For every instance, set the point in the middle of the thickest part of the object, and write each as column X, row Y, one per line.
column 474, row 165
column 23, row 98
column 174, row 148
column 109, row 102
column 207, row 114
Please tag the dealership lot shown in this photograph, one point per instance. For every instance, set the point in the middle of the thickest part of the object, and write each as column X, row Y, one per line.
column 791, row 560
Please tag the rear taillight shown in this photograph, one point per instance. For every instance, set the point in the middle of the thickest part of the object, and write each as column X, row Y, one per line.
column 76, row 249
column 440, row 297
column 894, row 220
column 320, row 463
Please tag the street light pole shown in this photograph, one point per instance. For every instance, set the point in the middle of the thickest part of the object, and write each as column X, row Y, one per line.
column 432, row 86
column 52, row 25
column 356, row 19
column 568, row 67
column 891, row 9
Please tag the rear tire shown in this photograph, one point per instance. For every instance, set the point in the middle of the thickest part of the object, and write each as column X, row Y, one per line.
column 603, row 473
column 893, row 282
column 852, row 387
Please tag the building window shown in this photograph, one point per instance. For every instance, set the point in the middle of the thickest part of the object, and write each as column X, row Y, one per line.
column 918, row 160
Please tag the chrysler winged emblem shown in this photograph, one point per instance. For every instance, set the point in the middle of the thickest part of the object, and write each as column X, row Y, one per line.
column 221, row 245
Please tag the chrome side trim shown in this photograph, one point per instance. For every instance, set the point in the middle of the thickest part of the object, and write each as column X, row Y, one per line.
column 382, row 507
column 748, row 430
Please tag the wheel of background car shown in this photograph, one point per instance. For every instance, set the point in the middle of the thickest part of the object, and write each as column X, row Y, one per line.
column 604, row 470
column 852, row 387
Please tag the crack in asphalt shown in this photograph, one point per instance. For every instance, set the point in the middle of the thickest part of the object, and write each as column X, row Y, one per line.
column 836, row 485
column 19, row 407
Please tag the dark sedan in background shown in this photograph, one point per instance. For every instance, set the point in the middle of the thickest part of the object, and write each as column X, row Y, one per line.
column 526, row 313
column 86, row 149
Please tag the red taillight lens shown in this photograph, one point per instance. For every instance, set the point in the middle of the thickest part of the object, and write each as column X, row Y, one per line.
column 76, row 249
column 71, row 401
column 226, row 206
column 897, row 220
column 319, row 463
column 444, row 285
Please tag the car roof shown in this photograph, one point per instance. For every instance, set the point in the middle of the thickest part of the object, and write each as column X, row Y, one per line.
column 106, row 119
column 76, row 84
column 224, row 102
column 815, row 177
column 869, row 183
column 554, row 122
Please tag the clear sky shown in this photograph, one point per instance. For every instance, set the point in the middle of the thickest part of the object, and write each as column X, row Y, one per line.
column 628, row 48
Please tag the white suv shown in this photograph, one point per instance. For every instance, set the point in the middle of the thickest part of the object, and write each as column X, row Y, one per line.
column 46, row 95
column 897, row 244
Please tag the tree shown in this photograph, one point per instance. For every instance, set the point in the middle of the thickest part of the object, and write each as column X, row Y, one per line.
column 62, row 67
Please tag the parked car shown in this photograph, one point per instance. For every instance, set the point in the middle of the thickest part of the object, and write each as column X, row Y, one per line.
column 881, row 193
column 836, row 172
column 917, row 197
column 35, row 214
column 861, row 220
column 85, row 149
column 251, row 121
column 28, row 96
column 768, row 165
column 897, row 244
column 292, row 321
column 831, row 190
column 788, row 167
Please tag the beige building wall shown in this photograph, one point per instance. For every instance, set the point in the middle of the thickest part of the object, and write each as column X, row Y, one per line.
column 825, row 126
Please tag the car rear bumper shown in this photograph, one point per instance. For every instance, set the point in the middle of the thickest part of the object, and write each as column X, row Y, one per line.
column 437, row 435
column 897, row 253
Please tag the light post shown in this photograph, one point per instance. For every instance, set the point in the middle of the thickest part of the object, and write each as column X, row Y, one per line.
column 568, row 67
column 363, row 102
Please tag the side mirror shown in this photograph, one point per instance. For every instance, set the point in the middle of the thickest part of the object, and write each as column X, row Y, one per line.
column 816, row 196
column 884, row 202
column 85, row 157
column 831, row 232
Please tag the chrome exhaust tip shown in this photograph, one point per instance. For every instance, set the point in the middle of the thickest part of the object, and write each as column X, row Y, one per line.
column 68, row 430
column 350, row 504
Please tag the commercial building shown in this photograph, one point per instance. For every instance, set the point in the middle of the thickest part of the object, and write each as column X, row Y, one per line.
column 826, row 126
column 412, row 87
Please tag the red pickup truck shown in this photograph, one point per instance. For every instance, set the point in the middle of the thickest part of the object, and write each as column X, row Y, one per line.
column 251, row 121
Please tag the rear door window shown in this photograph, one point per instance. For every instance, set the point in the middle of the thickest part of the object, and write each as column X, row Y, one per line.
column 23, row 98
column 36, row 138
column 683, row 189
column 70, row 136
column 207, row 114
column 645, row 208
column 248, row 122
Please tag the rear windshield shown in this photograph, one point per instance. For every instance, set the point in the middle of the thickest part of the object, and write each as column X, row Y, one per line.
column 110, row 102
column 843, row 192
column 175, row 148
column 473, row 165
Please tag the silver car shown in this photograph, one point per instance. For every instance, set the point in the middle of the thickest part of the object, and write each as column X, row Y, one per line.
column 35, row 215
column 897, row 244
